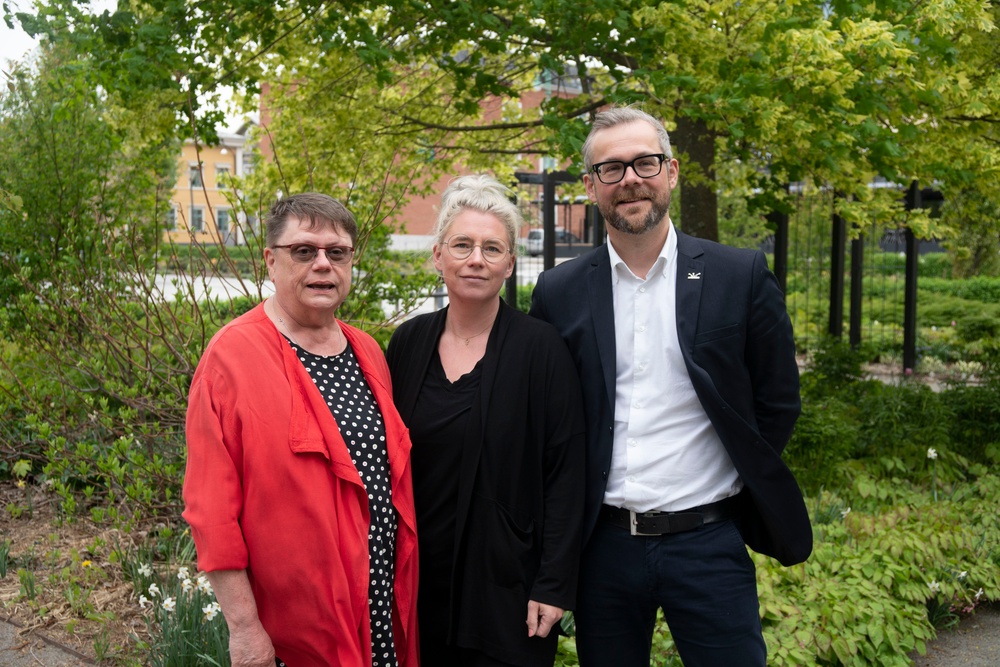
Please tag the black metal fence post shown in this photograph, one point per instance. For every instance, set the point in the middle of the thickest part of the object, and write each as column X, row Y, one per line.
column 857, row 291
column 913, row 201
column 837, row 266
column 548, row 220
column 780, row 221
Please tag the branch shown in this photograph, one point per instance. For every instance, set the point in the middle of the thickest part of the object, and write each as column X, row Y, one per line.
column 587, row 108
column 973, row 119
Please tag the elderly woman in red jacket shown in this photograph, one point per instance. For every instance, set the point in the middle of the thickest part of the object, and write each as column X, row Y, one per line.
column 298, row 486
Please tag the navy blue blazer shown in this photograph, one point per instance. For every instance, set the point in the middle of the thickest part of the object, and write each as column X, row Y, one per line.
column 737, row 343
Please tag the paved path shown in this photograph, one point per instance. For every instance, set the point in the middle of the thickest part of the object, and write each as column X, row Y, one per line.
column 32, row 650
column 975, row 643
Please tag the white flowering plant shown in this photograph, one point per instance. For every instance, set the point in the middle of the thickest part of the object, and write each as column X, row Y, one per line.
column 183, row 618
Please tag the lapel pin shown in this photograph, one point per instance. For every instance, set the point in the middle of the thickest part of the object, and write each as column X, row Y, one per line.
column 694, row 276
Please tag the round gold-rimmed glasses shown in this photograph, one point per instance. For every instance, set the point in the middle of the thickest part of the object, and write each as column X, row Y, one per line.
column 493, row 250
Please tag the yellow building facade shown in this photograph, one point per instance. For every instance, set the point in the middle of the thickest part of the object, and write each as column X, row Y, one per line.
column 204, row 206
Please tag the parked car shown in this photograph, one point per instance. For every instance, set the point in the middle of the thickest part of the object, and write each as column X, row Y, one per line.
column 536, row 240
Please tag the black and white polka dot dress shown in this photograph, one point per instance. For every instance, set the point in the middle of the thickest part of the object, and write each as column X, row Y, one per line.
column 343, row 387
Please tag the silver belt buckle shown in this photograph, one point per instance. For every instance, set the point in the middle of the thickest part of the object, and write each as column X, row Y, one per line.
column 633, row 523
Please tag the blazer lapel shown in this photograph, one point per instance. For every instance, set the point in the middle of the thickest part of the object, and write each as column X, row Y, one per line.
column 690, row 277
column 602, row 312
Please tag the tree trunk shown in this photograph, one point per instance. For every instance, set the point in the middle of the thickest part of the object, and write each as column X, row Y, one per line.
column 699, row 202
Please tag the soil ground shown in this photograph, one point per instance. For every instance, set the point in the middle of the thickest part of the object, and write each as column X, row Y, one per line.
column 82, row 602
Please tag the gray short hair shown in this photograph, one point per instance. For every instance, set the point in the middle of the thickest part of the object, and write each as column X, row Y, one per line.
column 483, row 193
column 319, row 209
column 621, row 116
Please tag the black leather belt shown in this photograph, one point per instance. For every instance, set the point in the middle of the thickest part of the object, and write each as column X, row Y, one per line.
column 665, row 523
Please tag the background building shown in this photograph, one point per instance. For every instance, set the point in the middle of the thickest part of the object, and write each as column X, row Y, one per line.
column 203, row 204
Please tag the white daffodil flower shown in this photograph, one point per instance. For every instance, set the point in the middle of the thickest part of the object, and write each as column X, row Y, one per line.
column 211, row 611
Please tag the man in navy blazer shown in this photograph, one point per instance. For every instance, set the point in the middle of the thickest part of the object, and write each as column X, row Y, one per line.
column 691, row 389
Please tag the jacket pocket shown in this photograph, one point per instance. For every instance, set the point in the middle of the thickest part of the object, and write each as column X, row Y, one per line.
column 716, row 334
column 507, row 546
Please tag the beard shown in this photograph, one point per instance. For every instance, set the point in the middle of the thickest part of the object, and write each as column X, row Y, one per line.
column 634, row 224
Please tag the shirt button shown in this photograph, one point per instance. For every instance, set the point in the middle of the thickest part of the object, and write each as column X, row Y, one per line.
column 642, row 327
column 631, row 478
column 642, row 289
column 632, row 442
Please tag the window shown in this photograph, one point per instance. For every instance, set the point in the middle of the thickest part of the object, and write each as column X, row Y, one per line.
column 227, row 232
column 194, row 176
column 197, row 219
column 222, row 176
column 171, row 217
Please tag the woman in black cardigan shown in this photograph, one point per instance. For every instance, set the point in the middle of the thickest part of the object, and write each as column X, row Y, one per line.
column 493, row 404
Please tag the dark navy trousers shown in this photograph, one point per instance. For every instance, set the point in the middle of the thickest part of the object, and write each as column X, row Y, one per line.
column 703, row 579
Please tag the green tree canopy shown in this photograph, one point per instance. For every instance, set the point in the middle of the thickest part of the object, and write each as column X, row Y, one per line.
column 75, row 172
column 832, row 93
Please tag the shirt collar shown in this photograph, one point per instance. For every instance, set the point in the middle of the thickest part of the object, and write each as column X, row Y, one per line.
column 666, row 258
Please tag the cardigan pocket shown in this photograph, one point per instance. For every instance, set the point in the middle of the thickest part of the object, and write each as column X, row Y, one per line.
column 508, row 546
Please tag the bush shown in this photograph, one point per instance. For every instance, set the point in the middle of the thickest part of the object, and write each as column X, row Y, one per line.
column 825, row 436
column 974, row 428
column 981, row 288
column 941, row 310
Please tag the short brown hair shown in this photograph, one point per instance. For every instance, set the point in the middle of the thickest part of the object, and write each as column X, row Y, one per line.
column 318, row 209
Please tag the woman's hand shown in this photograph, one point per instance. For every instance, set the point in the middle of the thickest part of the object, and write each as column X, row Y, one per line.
column 541, row 618
column 249, row 643
column 251, row 647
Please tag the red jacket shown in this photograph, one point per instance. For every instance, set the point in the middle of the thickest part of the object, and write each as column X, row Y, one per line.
column 270, row 487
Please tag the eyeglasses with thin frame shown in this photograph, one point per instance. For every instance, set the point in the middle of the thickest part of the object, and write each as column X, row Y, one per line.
column 644, row 166
column 493, row 250
column 305, row 253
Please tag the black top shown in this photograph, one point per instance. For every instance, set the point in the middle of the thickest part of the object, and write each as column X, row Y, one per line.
column 344, row 388
column 436, row 456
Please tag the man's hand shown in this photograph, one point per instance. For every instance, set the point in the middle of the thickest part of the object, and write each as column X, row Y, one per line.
column 251, row 648
column 541, row 618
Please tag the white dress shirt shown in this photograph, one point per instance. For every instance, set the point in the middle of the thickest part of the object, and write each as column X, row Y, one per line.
column 667, row 455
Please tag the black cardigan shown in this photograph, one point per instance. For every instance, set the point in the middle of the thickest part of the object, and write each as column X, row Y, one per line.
column 520, row 498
